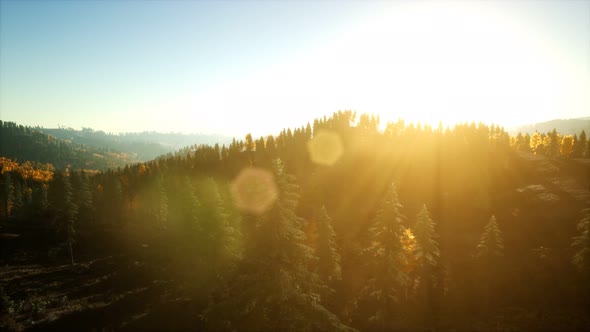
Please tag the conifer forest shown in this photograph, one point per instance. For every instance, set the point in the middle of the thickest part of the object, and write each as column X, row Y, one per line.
column 294, row 166
column 344, row 224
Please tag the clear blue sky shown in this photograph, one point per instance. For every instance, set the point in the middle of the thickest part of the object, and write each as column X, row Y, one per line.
column 233, row 67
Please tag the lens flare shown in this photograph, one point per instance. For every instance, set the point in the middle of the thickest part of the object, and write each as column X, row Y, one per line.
column 325, row 148
column 254, row 190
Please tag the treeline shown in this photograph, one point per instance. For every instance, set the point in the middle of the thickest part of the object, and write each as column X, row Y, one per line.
column 552, row 144
column 143, row 145
column 334, row 225
column 23, row 188
column 25, row 143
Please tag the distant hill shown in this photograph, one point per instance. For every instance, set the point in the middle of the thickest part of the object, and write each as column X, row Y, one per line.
column 90, row 149
column 564, row 126
column 24, row 143
column 143, row 146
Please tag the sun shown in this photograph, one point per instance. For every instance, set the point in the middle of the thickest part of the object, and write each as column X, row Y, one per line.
column 430, row 63
column 450, row 62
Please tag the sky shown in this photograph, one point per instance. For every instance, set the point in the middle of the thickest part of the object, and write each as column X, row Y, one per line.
column 233, row 67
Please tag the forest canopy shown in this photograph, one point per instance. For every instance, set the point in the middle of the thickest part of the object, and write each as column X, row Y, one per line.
column 341, row 224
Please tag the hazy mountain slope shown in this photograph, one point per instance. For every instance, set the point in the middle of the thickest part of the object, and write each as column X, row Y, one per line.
column 564, row 126
column 145, row 145
column 30, row 144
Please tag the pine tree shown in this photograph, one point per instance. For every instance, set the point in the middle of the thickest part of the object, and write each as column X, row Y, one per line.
column 7, row 193
column 271, row 146
column 526, row 146
column 427, row 252
column 152, row 202
column 552, row 148
column 427, row 257
column 489, row 251
column 583, row 145
column 491, row 244
column 273, row 290
column 219, row 237
column 40, row 201
column 581, row 243
column 18, row 203
column 387, row 258
column 328, row 258
column 109, row 205
column 82, row 196
column 162, row 203
column 184, row 211
column 63, row 208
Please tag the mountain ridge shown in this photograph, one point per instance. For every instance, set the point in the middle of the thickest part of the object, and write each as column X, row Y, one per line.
column 565, row 126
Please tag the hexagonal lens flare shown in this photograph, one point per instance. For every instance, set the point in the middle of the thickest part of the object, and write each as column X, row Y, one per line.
column 254, row 190
column 325, row 148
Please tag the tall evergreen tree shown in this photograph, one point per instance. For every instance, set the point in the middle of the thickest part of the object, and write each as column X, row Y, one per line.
column 219, row 236
column 162, row 203
column 427, row 252
column 489, row 251
column 427, row 257
column 109, row 201
column 39, row 200
column 7, row 192
column 582, row 145
column 273, row 290
column 387, row 258
column 82, row 196
column 63, row 209
column 18, row 203
column 328, row 257
column 491, row 245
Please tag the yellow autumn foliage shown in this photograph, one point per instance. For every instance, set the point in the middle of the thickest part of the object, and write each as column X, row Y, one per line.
column 37, row 172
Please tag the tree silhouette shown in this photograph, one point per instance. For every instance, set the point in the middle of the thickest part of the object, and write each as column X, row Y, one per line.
column 329, row 259
column 427, row 252
column 489, row 251
column 82, row 195
column 7, row 193
column 386, row 259
column 64, row 209
column 491, row 245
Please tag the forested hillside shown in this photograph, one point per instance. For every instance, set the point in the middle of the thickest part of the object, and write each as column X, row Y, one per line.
column 32, row 144
column 564, row 126
column 339, row 225
column 144, row 146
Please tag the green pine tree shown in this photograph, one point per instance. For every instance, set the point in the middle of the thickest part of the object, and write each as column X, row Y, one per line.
column 491, row 244
column 82, row 196
column 387, row 258
column 40, row 201
column 161, row 203
column 427, row 252
column 18, row 203
column 63, row 209
column 488, row 253
column 328, row 257
column 427, row 258
column 219, row 236
column 7, row 193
